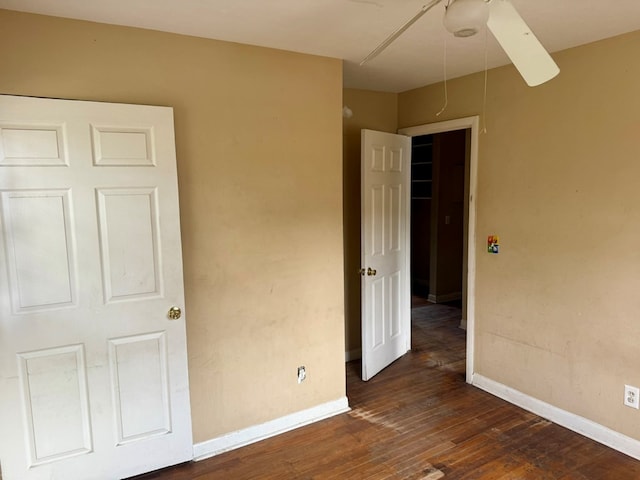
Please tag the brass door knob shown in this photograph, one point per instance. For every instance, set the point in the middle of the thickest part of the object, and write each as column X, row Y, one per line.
column 174, row 313
column 371, row 272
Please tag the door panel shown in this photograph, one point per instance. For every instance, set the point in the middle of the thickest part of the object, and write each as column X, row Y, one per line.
column 130, row 269
column 140, row 375
column 55, row 380
column 39, row 243
column 386, row 318
column 93, row 373
column 122, row 146
column 32, row 145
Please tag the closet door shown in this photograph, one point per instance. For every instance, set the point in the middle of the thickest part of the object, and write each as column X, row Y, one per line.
column 93, row 361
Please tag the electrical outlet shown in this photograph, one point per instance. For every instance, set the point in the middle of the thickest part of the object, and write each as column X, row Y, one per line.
column 632, row 396
column 302, row 373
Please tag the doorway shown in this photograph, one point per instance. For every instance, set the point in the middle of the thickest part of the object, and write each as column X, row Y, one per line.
column 439, row 165
column 470, row 128
column 469, row 242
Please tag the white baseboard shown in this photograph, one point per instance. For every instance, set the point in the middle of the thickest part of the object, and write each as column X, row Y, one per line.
column 253, row 434
column 581, row 425
column 447, row 297
column 352, row 355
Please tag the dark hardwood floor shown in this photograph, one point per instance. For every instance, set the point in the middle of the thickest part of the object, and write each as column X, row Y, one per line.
column 419, row 420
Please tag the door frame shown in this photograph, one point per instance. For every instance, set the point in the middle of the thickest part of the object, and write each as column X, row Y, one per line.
column 472, row 123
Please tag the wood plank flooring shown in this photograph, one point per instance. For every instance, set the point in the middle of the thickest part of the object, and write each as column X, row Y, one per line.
column 419, row 420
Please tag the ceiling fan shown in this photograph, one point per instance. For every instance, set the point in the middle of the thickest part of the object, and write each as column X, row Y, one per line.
column 465, row 18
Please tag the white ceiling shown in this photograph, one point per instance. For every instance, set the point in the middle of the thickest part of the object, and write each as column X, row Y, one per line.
column 350, row 29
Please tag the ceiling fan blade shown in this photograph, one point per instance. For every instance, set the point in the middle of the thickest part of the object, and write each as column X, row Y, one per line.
column 391, row 38
column 523, row 48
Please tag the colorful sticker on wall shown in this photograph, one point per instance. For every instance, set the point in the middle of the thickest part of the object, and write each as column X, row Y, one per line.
column 493, row 244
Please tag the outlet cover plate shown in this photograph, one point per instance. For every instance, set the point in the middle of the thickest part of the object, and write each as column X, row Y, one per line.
column 632, row 396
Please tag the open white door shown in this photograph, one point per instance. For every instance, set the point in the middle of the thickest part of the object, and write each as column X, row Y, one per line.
column 93, row 371
column 386, row 292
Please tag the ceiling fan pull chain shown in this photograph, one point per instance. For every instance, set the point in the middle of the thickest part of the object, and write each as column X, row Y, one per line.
column 484, row 97
column 446, row 97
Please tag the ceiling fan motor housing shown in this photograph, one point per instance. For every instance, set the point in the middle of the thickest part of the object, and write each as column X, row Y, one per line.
column 465, row 18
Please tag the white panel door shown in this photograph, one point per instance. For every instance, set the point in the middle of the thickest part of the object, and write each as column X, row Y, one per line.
column 93, row 372
column 386, row 293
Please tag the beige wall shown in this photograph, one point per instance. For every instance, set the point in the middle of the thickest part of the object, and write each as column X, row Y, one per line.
column 260, row 176
column 258, row 143
column 375, row 111
column 557, row 311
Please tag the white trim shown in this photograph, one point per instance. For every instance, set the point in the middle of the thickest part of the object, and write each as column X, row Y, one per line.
column 253, row 434
column 447, row 297
column 350, row 355
column 461, row 124
column 576, row 423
